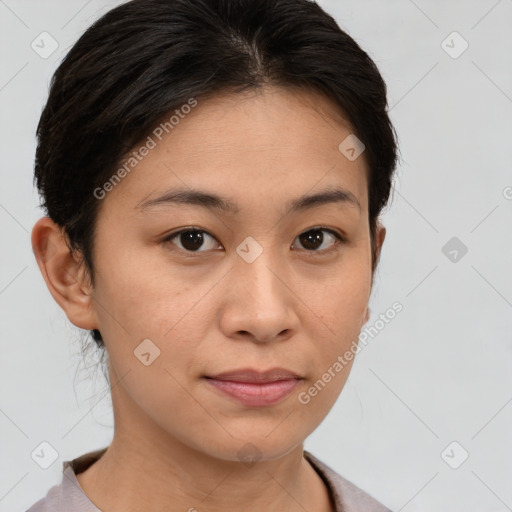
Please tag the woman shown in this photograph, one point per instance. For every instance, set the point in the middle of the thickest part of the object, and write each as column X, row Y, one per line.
column 212, row 173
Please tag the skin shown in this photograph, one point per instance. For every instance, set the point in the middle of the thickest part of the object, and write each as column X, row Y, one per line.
column 176, row 438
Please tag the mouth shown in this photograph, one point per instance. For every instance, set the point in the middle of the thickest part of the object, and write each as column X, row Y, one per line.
column 255, row 388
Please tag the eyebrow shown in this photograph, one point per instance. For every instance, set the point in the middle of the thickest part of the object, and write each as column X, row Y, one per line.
column 213, row 201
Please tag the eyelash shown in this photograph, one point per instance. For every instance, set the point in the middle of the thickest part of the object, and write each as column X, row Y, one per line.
column 335, row 247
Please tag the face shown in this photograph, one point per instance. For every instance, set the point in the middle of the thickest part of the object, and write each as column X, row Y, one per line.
column 260, row 285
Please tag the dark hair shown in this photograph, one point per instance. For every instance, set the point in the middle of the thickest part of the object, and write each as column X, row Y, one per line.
column 145, row 58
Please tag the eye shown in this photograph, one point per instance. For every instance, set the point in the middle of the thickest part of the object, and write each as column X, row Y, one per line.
column 313, row 240
column 192, row 239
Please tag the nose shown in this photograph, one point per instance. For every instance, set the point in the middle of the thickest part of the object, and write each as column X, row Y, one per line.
column 259, row 303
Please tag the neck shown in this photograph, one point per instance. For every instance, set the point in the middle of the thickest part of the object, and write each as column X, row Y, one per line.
column 133, row 476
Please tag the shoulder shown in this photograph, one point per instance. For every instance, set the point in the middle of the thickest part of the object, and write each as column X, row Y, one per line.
column 48, row 503
column 347, row 496
column 56, row 500
column 68, row 495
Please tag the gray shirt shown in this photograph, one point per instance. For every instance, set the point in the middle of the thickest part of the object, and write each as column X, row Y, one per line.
column 68, row 496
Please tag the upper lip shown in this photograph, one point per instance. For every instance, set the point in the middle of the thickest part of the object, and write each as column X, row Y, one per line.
column 250, row 375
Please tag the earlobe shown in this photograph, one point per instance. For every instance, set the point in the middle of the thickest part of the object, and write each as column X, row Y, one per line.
column 64, row 274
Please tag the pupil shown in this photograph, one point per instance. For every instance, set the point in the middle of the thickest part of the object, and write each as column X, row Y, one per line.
column 309, row 239
column 191, row 240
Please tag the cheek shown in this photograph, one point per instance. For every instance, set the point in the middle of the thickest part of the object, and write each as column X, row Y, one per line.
column 158, row 304
column 340, row 306
column 138, row 297
column 339, row 300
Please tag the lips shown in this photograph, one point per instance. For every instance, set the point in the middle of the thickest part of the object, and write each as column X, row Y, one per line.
column 255, row 376
column 254, row 388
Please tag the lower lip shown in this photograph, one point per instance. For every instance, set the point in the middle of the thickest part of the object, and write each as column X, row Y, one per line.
column 256, row 394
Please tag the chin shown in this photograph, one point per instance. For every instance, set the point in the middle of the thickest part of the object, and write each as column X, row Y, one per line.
column 251, row 449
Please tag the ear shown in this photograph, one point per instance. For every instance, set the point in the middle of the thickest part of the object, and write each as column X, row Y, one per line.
column 64, row 274
column 380, row 236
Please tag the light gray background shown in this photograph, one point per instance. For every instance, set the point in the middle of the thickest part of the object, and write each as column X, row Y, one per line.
column 439, row 372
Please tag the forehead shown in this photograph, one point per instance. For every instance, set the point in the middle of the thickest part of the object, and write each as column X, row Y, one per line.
column 272, row 143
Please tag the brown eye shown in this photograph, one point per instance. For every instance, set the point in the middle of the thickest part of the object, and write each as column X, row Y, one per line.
column 191, row 240
column 315, row 240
